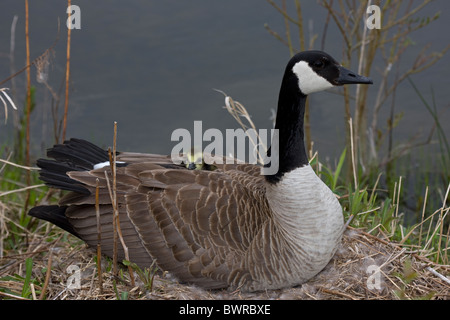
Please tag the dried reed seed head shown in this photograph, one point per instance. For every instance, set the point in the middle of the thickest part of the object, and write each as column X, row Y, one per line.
column 42, row 64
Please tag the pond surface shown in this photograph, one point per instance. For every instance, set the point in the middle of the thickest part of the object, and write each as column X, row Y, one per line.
column 152, row 67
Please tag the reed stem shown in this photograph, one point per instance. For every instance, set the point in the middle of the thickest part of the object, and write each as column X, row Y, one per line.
column 66, row 101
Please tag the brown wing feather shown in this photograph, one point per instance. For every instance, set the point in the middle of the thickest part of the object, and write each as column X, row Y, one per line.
column 194, row 223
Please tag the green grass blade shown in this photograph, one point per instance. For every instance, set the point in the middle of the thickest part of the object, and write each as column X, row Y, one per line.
column 339, row 168
column 26, row 284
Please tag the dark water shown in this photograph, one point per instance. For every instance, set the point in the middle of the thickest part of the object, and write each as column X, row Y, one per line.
column 152, row 66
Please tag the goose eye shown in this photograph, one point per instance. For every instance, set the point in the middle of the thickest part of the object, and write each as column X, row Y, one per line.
column 319, row 64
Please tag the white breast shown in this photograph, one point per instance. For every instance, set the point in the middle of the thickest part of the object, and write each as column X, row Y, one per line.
column 309, row 217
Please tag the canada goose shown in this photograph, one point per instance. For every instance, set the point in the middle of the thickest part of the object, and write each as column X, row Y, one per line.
column 231, row 227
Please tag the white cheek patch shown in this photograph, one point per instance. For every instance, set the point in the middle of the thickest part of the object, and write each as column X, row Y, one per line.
column 308, row 80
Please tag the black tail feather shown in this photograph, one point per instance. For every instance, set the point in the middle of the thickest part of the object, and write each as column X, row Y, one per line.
column 72, row 155
column 63, row 182
column 53, row 173
column 53, row 214
column 81, row 154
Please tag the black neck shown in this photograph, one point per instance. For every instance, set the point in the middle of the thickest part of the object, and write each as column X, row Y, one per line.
column 289, row 122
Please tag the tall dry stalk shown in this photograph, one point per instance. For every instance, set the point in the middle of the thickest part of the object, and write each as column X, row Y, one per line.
column 47, row 276
column 66, row 101
column 117, row 231
column 352, row 152
column 12, row 69
column 28, row 105
column 28, row 102
column 99, row 238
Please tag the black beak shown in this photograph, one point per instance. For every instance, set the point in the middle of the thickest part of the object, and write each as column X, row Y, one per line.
column 348, row 77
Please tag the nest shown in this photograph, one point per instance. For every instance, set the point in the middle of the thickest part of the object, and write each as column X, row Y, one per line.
column 365, row 267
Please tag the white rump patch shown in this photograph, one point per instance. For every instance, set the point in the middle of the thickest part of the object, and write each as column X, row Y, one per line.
column 308, row 80
column 104, row 164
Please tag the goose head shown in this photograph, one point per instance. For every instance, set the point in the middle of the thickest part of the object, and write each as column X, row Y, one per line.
column 316, row 71
column 307, row 72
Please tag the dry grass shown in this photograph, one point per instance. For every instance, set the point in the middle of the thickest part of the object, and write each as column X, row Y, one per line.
column 349, row 275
